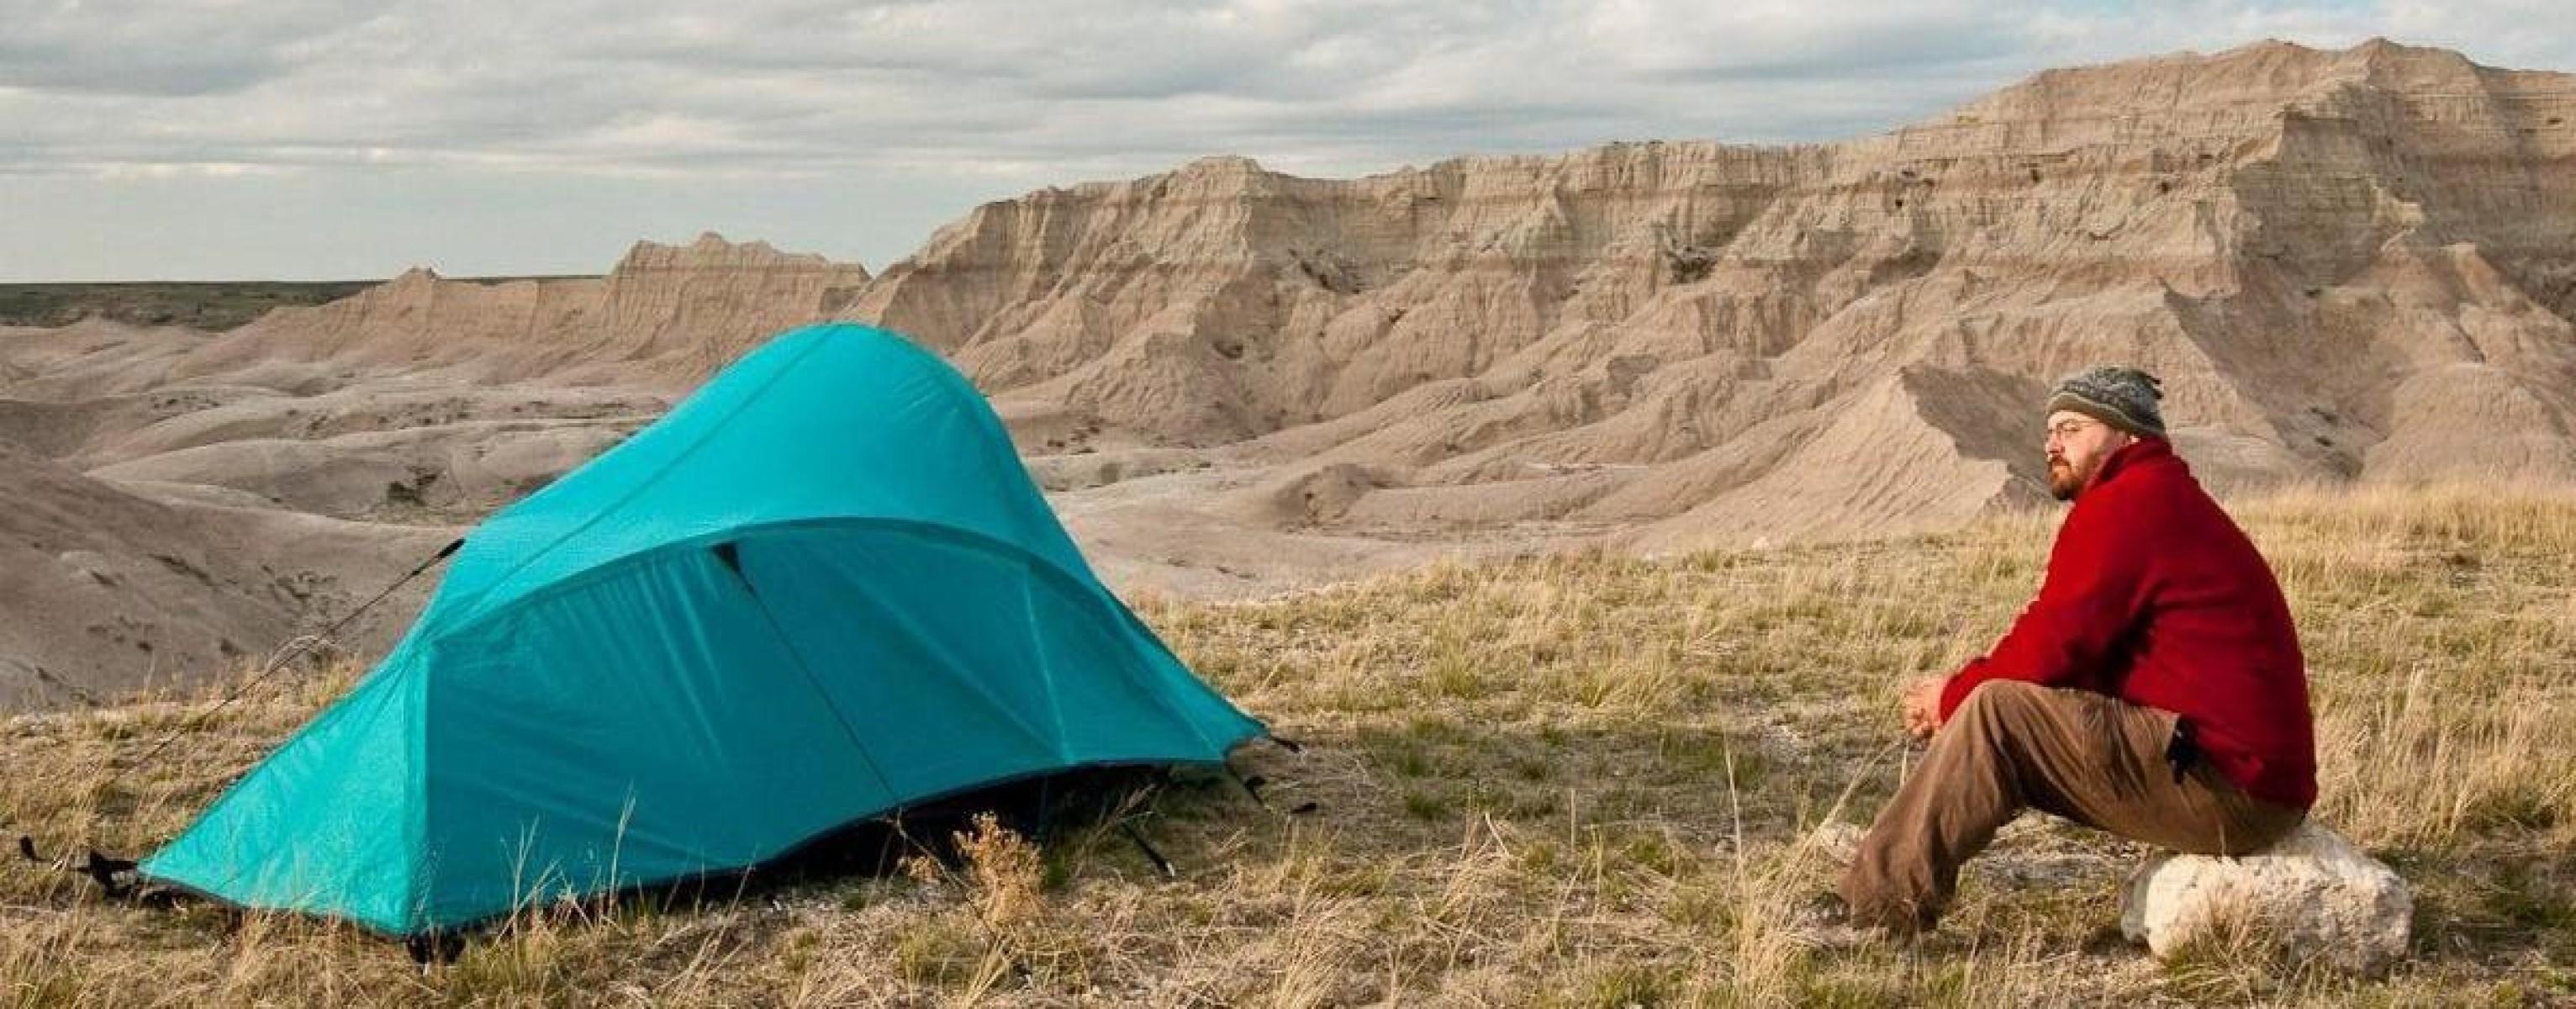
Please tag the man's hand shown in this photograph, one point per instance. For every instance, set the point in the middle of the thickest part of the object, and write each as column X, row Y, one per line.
column 1922, row 706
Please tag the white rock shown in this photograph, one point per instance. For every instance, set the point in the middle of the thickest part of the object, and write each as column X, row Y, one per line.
column 2321, row 897
column 1838, row 842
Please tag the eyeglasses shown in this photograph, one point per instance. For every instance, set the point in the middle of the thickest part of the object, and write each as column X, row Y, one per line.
column 2070, row 427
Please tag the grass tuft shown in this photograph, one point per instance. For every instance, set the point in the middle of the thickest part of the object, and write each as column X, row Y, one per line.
column 1566, row 780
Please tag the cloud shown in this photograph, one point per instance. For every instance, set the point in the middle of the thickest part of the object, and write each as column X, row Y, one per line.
column 1775, row 40
column 795, row 87
column 162, row 49
column 1022, row 93
column 2515, row 34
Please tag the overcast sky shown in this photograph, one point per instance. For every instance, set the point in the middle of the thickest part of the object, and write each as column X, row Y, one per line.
column 294, row 139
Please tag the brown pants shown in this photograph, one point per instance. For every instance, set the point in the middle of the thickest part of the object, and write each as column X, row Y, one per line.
column 2088, row 757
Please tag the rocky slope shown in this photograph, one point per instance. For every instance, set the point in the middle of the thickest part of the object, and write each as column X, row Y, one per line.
column 2349, row 266
column 174, row 503
column 2346, row 265
column 113, row 589
column 667, row 315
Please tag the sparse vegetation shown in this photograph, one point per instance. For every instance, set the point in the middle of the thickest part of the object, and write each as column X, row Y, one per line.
column 1571, row 780
column 208, row 306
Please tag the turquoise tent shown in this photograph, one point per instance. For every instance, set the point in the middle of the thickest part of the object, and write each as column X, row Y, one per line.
column 821, row 589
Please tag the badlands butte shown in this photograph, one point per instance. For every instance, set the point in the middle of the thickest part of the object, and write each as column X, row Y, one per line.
column 2351, row 266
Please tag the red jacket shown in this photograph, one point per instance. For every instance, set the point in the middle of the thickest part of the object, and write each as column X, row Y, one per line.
column 2154, row 596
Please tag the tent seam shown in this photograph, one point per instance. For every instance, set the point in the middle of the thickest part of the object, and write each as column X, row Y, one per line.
column 1046, row 668
column 806, row 669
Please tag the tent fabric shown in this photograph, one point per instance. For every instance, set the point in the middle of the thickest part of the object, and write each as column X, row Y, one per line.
column 820, row 589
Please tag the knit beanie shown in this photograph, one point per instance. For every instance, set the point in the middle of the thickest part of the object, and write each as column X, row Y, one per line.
column 2124, row 398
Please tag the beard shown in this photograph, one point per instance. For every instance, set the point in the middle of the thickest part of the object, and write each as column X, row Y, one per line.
column 2063, row 481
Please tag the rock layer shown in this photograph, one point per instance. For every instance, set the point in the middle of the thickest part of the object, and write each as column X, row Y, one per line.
column 111, row 590
column 667, row 316
column 174, row 504
column 2346, row 265
column 2353, row 265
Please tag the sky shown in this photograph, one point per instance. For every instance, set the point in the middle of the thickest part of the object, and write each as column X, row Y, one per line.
column 297, row 139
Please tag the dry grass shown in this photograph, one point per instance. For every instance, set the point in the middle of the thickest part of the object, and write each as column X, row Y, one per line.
column 1573, row 780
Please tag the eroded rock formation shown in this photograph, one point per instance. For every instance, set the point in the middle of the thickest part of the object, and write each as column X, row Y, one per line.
column 2346, row 265
column 666, row 316
column 2352, row 265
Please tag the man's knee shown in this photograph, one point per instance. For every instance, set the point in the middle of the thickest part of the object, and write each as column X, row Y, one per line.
column 1998, row 697
column 1995, row 707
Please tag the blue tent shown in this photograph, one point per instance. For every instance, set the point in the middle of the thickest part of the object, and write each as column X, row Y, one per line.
column 821, row 589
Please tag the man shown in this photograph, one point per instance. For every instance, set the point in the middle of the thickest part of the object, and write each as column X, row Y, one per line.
column 2154, row 689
